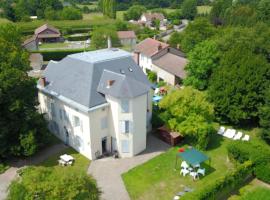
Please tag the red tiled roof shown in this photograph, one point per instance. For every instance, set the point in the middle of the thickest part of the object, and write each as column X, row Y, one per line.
column 27, row 41
column 173, row 64
column 151, row 16
column 126, row 34
column 150, row 47
column 44, row 27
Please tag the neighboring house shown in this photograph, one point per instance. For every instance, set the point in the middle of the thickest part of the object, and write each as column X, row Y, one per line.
column 145, row 50
column 127, row 38
column 148, row 18
column 169, row 65
column 97, row 102
column 47, row 33
column 167, row 62
column 31, row 44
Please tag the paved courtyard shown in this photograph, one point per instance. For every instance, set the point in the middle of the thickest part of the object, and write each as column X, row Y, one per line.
column 11, row 173
column 107, row 171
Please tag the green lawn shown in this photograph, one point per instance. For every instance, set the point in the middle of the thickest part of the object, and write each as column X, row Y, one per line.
column 93, row 16
column 120, row 15
column 80, row 165
column 4, row 21
column 203, row 9
column 255, row 190
column 157, row 179
column 53, row 45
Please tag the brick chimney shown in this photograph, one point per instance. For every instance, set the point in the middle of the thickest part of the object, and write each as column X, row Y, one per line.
column 159, row 46
column 109, row 42
column 42, row 81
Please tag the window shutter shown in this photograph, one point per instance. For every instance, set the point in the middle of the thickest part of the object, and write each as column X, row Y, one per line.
column 81, row 124
column 125, row 146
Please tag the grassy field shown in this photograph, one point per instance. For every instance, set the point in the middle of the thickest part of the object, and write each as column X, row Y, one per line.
column 203, row 9
column 94, row 5
column 88, row 22
column 255, row 190
column 157, row 179
column 92, row 16
column 4, row 21
column 53, row 45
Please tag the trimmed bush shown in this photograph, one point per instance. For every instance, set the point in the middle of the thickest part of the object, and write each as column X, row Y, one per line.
column 228, row 182
column 78, row 38
column 58, row 54
column 255, row 152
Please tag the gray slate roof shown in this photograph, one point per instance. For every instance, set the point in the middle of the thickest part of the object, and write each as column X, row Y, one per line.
column 81, row 77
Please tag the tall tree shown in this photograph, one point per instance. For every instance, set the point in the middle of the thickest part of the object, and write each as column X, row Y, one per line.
column 189, row 9
column 22, row 129
column 196, row 32
column 189, row 112
column 203, row 59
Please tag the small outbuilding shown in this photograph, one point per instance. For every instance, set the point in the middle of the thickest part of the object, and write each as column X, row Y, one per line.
column 127, row 38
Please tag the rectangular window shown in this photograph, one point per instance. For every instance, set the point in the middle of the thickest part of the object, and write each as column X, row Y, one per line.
column 125, row 146
column 65, row 115
column 104, row 123
column 53, row 109
column 60, row 114
column 125, row 105
column 125, row 126
column 76, row 121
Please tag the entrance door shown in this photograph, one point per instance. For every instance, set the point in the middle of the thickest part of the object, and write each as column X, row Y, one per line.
column 104, row 145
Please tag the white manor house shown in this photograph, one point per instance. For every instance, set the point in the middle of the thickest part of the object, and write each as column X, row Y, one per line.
column 97, row 102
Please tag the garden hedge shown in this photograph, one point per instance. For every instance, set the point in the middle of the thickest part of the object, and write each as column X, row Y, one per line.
column 229, row 182
column 256, row 152
column 78, row 38
column 57, row 54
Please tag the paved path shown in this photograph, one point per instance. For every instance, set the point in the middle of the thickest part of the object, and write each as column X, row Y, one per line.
column 108, row 171
column 10, row 174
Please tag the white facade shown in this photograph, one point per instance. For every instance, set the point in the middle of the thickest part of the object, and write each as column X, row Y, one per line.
column 120, row 124
column 145, row 63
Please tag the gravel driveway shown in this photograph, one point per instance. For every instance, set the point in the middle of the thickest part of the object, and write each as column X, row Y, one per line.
column 107, row 171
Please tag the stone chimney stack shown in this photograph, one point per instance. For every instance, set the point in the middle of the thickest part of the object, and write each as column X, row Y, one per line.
column 43, row 81
column 109, row 42
column 159, row 47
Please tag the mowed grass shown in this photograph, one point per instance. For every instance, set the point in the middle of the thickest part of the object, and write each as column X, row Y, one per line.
column 93, row 16
column 157, row 179
column 53, row 45
column 80, row 165
column 88, row 22
column 4, row 21
column 255, row 190
column 204, row 9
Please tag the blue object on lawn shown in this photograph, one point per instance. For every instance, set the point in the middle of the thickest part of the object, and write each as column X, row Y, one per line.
column 157, row 98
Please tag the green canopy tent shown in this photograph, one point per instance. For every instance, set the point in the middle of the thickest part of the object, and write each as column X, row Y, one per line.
column 192, row 156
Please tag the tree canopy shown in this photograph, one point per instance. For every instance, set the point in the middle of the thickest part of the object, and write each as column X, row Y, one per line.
column 189, row 9
column 203, row 59
column 134, row 12
column 22, row 129
column 188, row 112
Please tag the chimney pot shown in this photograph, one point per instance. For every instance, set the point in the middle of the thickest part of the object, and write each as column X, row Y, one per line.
column 110, row 83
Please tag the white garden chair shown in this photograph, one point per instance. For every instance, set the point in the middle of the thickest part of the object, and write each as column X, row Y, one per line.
column 184, row 172
column 194, row 175
column 184, row 165
column 246, row 138
column 201, row 171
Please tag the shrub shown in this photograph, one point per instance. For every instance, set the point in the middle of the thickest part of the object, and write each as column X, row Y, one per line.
column 152, row 76
column 255, row 152
column 228, row 182
column 47, row 183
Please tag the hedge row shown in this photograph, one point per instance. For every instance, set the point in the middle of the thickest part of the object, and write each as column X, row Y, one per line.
column 58, row 54
column 257, row 153
column 78, row 38
column 229, row 182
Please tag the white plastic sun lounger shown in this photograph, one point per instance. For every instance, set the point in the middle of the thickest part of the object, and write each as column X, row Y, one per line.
column 221, row 130
column 246, row 138
column 238, row 136
column 230, row 133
